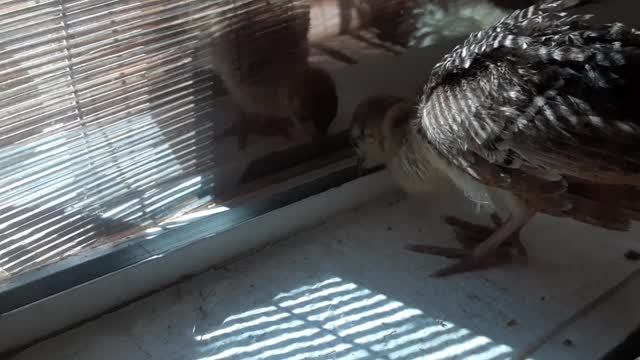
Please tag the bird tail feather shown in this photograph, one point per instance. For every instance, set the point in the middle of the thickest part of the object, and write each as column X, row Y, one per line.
column 613, row 207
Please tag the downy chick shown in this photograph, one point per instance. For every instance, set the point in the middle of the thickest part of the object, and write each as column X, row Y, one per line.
column 536, row 114
column 379, row 129
column 260, row 50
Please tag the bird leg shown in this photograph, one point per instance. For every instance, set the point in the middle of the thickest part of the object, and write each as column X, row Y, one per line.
column 483, row 246
column 470, row 234
column 246, row 125
column 277, row 127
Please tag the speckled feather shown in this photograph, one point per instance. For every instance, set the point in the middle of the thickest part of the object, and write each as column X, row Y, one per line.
column 537, row 103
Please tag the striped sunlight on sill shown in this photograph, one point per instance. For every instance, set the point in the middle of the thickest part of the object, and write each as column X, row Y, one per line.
column 336, row 319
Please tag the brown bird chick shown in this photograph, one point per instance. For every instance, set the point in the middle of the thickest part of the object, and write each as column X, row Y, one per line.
column 261, row 53
column 379, row 130
column 537, row 114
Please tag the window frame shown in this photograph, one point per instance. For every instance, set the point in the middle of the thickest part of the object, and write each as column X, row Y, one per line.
column 36, row 305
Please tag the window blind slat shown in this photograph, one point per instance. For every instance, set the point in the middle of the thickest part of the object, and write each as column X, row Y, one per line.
column 67, row 189
column 106, row 116
column 12, row 20
column 23, row 41
column 47, row 171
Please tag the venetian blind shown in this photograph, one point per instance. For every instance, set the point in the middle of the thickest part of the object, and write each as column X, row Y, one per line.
column 103, row 120
column 107, row 112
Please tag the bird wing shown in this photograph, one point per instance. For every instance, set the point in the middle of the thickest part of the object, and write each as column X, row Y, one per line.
column 538, row 98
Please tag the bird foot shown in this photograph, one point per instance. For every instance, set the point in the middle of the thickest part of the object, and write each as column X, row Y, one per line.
column 276, row 128
column 242, row 129
column 471, row 235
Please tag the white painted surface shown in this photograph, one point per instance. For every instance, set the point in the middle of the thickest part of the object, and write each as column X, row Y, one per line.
column 65, row 309
column 571, row 265
column 347, row 290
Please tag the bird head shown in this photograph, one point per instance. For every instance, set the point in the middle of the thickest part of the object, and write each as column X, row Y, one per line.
column 315, row 100
column 378, row 128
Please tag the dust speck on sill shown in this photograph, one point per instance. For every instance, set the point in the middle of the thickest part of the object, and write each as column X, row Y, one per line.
column 632, row 255
column 568, row 343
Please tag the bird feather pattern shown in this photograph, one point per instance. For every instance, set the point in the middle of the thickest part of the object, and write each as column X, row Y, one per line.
column 541, row 104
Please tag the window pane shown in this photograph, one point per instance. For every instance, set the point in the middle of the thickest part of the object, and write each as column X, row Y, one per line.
column 121, row 118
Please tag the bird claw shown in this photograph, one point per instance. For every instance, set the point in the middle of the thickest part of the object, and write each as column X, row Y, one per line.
column 450, row 253
column 242, row 129
column 471, row 263
column 466, row 260
column 464, row 265
column 470, row 235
